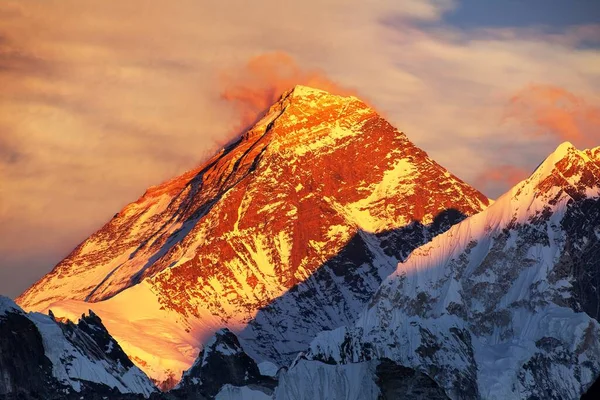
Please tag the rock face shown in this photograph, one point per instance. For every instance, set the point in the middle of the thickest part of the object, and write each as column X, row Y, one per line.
column 398, row 382
column 24, row 369
column 224, row 371
column 368, row 379
column 41, row 358
column 221, row 362
column 503, row 304
column 593, row 391
column 285, row 233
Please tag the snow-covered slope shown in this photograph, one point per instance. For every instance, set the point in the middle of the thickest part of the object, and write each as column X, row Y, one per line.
column 504, row 304
column 230, row 392
column 281, row 235
column 40, row 356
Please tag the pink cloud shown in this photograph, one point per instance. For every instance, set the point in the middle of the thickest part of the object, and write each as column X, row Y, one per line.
column 556, row 111
column 505, row 176
column 255, row 86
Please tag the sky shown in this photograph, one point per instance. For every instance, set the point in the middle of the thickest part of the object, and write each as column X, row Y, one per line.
column 101, row 99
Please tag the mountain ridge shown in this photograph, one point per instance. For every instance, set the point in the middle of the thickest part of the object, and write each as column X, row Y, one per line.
column 324, row 242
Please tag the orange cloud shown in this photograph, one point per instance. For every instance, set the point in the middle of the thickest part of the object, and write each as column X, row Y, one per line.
column 258, row 84
column 500, row 177
column 554, row 110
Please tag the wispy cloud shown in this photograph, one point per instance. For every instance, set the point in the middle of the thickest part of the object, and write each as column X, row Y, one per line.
column 552, row 110
column 503, row 175
column 255, row 86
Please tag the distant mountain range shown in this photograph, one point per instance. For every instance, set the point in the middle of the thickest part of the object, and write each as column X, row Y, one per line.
column 323, row 255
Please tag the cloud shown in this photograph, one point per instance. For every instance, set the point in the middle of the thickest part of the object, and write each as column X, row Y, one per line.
column 101, row 99
column 255, row 86
column 504, row 175
column 554, row 110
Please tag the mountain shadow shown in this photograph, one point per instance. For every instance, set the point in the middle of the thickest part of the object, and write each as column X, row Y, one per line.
column 335, row 293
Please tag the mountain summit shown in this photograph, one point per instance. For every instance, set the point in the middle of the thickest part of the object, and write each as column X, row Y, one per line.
column 282, row 234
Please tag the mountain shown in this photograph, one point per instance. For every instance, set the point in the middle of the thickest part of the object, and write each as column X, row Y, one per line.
column 42, row 358
column 285, row 233
column 378, row 378
column 222, row 364
column 504, row 304
column 224, row 371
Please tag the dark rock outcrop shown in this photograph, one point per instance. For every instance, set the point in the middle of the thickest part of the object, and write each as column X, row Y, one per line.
column 25, row 372
column 221, row 362
column 398, row 382
column 42, row 358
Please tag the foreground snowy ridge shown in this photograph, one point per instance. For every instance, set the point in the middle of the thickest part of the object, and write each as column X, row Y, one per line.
column 40, row 356
column 505, row 303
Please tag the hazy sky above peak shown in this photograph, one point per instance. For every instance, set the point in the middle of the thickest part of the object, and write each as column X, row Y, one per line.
column 101, row 99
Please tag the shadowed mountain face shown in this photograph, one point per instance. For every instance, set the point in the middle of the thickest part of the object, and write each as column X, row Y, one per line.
column 337, row 291
column 24, row 369
column 319, row 200
column 503, row 304
column 222, row 362
column 224, row 371
column 380, row 379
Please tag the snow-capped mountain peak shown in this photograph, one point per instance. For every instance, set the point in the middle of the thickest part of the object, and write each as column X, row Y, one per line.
column 8, row 305
column 567, row 165
column 304, row 91
column 284, row 233
column 567, row 173
column 221, row 362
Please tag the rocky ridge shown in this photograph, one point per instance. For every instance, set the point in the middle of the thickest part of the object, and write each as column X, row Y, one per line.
column 42, row 358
